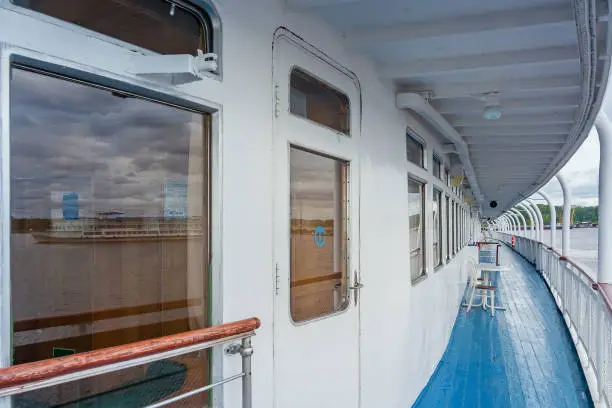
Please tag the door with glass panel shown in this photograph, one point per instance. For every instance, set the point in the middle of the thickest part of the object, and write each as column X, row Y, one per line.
column 316, row 232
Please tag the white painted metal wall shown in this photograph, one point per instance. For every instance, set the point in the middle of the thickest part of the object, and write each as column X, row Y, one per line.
column 404, row 328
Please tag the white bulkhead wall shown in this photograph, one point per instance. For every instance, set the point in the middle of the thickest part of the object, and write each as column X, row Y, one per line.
column 404, row 328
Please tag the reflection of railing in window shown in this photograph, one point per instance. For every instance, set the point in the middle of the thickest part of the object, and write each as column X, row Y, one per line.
column 26, row 378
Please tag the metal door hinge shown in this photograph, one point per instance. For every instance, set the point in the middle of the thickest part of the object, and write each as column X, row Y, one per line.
column 276, row 280
column 276, row 100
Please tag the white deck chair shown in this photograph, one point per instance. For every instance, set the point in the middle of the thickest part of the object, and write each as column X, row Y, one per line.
column 484, row 289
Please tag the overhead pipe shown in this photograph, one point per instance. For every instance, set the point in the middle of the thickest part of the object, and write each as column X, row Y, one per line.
column 567, row 198
column 553, row 219
column 531, row 218
column 416, row 103
column 604, row 232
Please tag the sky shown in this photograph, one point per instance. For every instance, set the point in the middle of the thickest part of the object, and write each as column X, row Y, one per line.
column 581, row 173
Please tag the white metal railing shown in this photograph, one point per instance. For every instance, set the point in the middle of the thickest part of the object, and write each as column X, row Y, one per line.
column 586, row 310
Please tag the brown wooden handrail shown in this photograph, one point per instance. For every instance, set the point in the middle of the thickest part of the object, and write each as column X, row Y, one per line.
column 46, row 369
column 104, row 314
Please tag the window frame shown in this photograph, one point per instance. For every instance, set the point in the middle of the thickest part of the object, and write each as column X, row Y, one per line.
column 436, row 165
column 423, row 238
column 414, row 137
column 346, row 230
column 332, row 87
column 57, row 65
column 203, row 10
column 448, row 228
column 438, row 193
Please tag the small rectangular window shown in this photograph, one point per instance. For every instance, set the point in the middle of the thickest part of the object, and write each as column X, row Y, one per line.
column 454, row 227
column 436, row 168
column 448, row 228
column 414, row 151
column 437, row 224
column 312, row 99
column 161, row 26
column 319, row 238
column 447, row 176
column 416, row 210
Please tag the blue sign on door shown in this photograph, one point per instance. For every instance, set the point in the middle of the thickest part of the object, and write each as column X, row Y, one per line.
column 319, row 236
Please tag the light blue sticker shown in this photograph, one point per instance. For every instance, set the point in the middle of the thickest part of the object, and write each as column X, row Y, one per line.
column 319, row 236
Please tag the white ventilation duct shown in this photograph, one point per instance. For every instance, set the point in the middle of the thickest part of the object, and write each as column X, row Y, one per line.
column 416, row 103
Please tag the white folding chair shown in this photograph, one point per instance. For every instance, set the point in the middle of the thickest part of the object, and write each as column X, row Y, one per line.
column 477, row 286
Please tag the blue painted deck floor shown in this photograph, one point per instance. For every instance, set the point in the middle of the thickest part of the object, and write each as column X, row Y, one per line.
column 522, row 357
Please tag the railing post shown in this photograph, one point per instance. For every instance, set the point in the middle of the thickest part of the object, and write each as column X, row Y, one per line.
column 553, row 219
column 567, row 198
column 604, row 130
column 246, row 351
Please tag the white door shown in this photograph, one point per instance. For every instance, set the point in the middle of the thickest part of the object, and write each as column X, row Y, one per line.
column 316, row 212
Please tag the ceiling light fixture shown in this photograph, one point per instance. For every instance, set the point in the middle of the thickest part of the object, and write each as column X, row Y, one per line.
column 492, row 109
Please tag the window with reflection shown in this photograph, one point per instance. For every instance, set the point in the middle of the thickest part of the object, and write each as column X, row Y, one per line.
column 454, row 227
column 315, row 100
column 109, row 223
column 415, row 151
column 436, row 167
column 448, row 228
column 163, row 26
column 416, row 216
column 437, row 227
column 319, row 238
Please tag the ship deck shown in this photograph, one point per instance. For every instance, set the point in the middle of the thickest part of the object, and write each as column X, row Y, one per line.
column 522, row 357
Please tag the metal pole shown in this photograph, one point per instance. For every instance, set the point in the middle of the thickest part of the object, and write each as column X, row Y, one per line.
column 604, row 232
column 246, row 352
column 520, row 215
column 538, row 213
column 508, row 224
column 535, row 224
column 513, row 223
column 567, row 198
column 553, row 219
column 531, row 218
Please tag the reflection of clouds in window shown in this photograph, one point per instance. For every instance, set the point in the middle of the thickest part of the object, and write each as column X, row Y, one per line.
column 312, row 185
column 115, row 152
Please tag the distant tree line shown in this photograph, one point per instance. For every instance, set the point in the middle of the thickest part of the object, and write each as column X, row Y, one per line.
column 581, row 214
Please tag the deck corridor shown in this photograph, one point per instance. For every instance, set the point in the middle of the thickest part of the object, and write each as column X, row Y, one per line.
column 523, row 357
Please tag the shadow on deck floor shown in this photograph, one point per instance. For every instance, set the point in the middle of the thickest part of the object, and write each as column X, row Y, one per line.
column 522, row 357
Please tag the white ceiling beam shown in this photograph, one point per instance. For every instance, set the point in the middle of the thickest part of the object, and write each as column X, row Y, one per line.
column 509, row 118
column 515, row 129
column 522, row 87
column 477, row 24
column 516, row 148
column 305, row 4
column 507, row 104
column 519, row 140
column 481, row 62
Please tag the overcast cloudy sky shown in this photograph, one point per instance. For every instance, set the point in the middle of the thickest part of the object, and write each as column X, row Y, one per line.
column 581, row 173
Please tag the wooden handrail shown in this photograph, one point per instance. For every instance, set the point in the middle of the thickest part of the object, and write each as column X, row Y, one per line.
column 46, row 369
column 316, row 279
column 104, row 314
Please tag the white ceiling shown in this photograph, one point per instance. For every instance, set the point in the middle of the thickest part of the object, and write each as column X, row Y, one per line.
column 526, row 50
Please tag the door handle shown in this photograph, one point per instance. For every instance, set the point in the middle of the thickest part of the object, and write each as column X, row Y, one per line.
column 356, row 287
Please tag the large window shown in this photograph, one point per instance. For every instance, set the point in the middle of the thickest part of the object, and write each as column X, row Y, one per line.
column 416, row 213
column 318, row 235
column 415, row 151
column 109, row 225
column 313, row 99
column 437, row 227
column 162, row 26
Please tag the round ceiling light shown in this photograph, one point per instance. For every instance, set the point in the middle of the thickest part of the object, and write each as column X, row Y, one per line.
column 492, row 113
